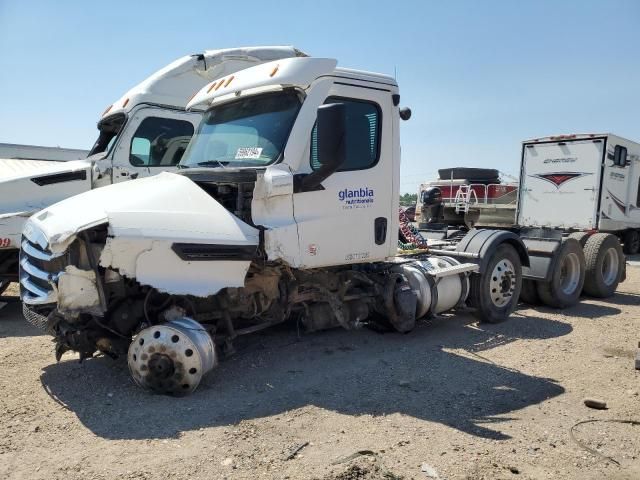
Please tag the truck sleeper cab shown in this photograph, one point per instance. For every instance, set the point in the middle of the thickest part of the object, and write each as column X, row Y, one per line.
column 285, row 206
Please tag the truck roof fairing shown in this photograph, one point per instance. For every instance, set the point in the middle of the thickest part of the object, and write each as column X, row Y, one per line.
column 174, row 84
column 296, row 72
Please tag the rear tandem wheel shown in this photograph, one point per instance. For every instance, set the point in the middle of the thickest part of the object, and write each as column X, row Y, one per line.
column 567, row 278
column 605, row 265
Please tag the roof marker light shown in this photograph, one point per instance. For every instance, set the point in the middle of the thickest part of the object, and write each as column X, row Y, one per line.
column 219, row 84
column 229, row 81
column 107, row 110
column 124, row 104
column 213, row 84
column 274, row 71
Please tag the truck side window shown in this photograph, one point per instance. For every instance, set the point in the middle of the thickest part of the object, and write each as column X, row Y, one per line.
column 620, row 156
column 363, row 134
column 160, row 142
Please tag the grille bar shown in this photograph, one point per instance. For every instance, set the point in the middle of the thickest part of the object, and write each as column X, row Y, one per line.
column 38, row 269
column 33, row 270
column 35, row 252
column 33, row 294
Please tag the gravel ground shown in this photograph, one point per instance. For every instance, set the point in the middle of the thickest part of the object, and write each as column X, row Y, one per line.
column 468, row 400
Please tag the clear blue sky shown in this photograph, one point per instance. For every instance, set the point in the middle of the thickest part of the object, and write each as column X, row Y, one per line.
column 480, row 76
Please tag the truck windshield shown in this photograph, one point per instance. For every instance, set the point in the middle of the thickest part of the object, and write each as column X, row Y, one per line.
column 109, row 129
column 247, row 132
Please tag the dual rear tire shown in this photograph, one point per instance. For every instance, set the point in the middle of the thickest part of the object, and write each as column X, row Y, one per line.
column 593, row 264
column 605, row 265
column 567, row 279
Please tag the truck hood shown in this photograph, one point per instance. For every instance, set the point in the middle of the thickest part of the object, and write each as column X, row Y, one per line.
column 166, row 207
column 27, row 186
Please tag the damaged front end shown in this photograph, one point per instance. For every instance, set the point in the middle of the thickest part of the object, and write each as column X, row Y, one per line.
column 116, row 271
column 171, row 286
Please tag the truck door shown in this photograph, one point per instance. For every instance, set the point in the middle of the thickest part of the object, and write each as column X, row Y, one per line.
column 560, row 184
column 349, row 219
column 153, row 141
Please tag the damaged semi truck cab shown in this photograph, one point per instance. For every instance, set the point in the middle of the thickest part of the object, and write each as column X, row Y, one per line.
column 285, row 206
column 143, row 133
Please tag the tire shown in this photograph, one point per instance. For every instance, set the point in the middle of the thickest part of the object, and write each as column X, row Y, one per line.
column 581, row 237
column 605, row 265
column 567, row 277
column 529, row 292
column 3, row 286
column 494, row 293
column 631, row 242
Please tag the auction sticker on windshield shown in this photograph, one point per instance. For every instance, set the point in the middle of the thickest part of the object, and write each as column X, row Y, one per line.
column 248, row 152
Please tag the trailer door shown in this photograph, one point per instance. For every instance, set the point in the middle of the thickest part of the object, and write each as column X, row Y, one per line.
column 560, row 184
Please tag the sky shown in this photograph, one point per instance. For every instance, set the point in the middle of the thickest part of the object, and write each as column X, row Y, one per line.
column 479, row 76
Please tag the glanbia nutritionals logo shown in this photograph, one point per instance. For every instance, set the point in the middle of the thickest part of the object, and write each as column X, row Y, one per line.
column 356, row 198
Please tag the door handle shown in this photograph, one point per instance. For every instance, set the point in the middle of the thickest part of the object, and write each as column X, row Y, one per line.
column 380, row 230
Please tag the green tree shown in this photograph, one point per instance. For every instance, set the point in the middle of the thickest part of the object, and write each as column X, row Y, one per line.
column 408, row 199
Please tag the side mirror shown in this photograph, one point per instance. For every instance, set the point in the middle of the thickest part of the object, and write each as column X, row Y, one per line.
column 331, row 132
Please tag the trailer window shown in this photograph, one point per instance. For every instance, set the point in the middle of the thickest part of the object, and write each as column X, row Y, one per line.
column 160, row 142
column 362, row 135
column 620, row 156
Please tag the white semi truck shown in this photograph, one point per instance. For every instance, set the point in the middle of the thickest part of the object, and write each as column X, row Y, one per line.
column 143, row 133
column 285, row 207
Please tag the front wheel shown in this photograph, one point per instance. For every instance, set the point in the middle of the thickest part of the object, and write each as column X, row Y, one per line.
column 494, row 293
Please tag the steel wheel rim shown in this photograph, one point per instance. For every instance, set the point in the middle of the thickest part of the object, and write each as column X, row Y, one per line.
column 610, row 266
column 569, row 274
column 502, row 285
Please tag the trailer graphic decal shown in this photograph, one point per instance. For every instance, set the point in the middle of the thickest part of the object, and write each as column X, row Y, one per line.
column 619, row 203
column 560, row 178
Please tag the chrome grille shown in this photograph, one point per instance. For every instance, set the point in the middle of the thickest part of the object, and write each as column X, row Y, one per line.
column 39, row 270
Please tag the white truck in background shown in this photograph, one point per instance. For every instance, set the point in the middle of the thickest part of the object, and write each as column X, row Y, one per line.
column 141, row 134
column 286, row 207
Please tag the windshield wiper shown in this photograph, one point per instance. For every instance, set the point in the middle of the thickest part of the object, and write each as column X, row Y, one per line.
column 209, row 163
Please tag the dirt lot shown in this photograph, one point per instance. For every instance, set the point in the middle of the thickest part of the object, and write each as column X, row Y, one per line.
column 470, row 400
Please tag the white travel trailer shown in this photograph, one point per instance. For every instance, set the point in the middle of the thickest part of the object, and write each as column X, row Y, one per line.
column 582, row 183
